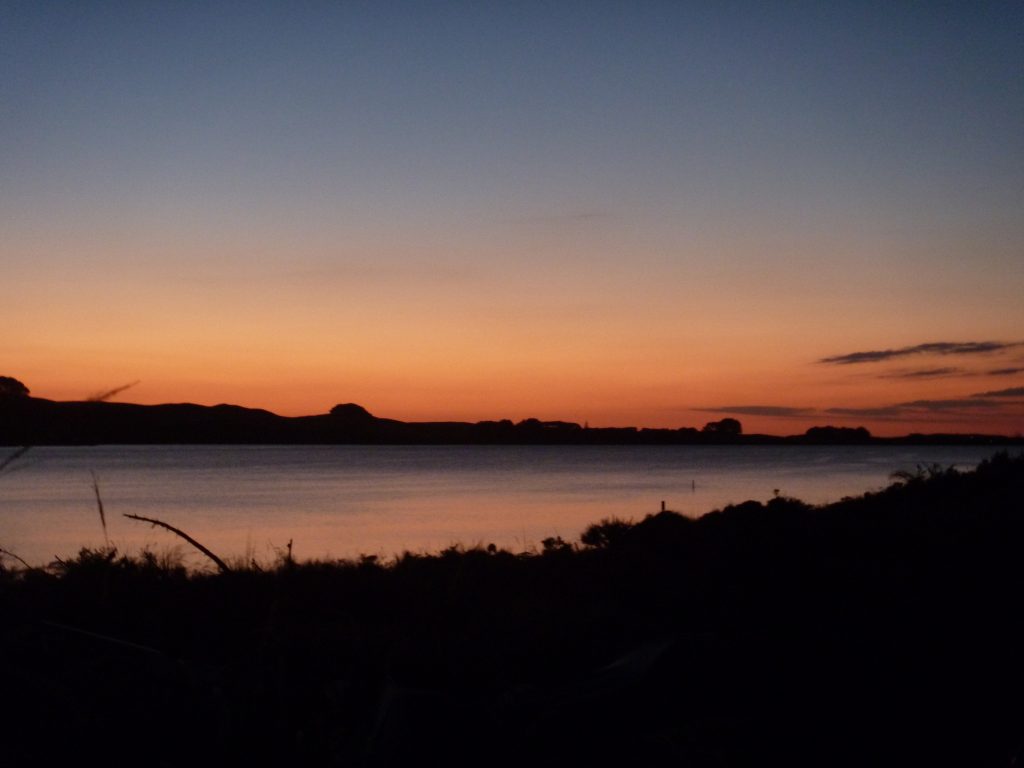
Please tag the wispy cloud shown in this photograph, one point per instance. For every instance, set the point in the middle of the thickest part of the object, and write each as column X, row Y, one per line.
column 1004, row 371
column 993, row 402
column 882, row 412
column 1011, row 392
column 760, row 410
column 931, row 348
column 948, row 405
column 563, row 217
column 924, row 373
column 914, row 409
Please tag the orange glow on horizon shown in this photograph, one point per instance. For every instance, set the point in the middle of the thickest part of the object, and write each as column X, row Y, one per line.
column 598, row 399
column 613, row 222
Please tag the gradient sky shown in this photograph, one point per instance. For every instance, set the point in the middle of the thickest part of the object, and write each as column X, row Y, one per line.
column 653, row 213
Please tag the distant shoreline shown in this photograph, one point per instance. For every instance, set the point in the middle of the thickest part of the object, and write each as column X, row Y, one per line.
column 38, row 421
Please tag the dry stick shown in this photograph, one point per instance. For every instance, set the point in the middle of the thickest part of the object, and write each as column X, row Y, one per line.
column 128, row 645
column 20, row 560
column 14, row 457
column 104, row 396
column 99, row 505
column 178, row 532
column 100, row 398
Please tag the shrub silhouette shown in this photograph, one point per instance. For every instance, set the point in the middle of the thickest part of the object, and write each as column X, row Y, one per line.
column 879, row 630
column 12, row 388
column 727, row 427
column 606, row 533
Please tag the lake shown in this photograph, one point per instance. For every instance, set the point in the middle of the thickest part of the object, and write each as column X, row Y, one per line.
column 341, row 501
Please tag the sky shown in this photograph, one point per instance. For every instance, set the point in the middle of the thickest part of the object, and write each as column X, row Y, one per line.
column 621, row 213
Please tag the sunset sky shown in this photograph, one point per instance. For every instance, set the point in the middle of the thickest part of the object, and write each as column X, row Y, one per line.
column 646, row 213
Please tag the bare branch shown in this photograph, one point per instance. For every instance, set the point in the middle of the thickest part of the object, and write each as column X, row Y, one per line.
column 18, row 453
column 19, row 559
column 103, row 396
column 99, row 505
column 178, row 532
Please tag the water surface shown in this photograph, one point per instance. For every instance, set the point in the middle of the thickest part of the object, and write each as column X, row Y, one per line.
column 340, row 501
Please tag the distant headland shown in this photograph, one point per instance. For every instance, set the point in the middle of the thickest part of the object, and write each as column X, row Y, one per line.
column 27, row 420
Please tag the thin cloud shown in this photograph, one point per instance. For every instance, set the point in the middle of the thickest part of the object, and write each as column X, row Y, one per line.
column 911, row 410
column 562, row 217
column 949, row 405
column 925, row 373
column 760, row 410
column 1011, row 392
column 916, row 409
column 370, row 272
column 931, row 348
column 883, row 412
column 1004, row 371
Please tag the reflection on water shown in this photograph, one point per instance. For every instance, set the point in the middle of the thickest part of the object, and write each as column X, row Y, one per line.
column 339, row 501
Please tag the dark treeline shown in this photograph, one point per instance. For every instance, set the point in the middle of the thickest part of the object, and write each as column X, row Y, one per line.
column 26, row 420
column 882, row 630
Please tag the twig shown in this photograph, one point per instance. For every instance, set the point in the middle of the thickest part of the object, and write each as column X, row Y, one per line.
column 99, row 505
column 104, row 396
column 178, row 532
column 126, row 644
column 14, row 457
column 20, row 560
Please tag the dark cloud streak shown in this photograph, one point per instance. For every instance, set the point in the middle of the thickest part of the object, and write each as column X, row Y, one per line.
column 948, row 405
column 1011, row 392
column 931, row 348
column 883, row 412
column 911, row 410
column 760, row 410
column 916, row 408
column 926, row 373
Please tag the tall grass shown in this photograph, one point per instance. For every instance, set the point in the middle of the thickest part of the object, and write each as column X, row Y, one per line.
column 181, row 534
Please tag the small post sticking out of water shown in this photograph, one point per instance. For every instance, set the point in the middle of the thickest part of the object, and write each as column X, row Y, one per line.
column 663, row 506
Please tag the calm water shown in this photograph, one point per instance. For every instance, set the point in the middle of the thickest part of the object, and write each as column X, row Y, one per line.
column 344, row 500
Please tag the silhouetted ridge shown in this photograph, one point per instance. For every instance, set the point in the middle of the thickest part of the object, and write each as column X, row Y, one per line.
column 26, row 420
column 837, row 435
column 352, row 413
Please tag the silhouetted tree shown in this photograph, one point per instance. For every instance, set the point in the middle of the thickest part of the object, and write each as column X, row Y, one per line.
column 10, row 387
column 605, row 533
column 727, row 426
column 555, row 544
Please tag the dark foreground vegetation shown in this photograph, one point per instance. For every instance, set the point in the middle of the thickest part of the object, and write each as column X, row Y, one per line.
column 881, row 630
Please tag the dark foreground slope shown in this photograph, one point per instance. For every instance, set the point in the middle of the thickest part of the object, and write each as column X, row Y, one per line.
column 882, row 630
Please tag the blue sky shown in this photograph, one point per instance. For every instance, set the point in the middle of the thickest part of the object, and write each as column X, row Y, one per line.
column 583, row 182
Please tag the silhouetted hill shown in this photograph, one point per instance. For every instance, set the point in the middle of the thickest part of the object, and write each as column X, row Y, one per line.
column 27, row 420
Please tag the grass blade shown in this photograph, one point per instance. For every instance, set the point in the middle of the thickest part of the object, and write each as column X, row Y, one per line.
column 178, row 532
column 99, row 506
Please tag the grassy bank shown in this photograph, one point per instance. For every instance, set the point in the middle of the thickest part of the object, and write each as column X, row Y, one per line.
column 882, row 630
